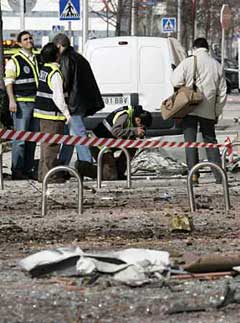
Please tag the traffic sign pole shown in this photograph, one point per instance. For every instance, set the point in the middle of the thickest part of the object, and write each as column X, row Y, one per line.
column 69, row 10
column 179, row 10
column 70, row 30
column 22, row 15
column 84, row 23
column 226, row 22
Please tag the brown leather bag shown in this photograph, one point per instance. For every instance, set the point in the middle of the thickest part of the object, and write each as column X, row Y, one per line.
column 183, row 100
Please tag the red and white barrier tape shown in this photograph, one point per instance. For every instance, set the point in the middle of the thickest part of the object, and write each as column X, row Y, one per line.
column 228, row 144
column 106, row 142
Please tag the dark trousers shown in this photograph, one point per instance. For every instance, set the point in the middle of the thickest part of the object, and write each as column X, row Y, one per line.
column 49, row 152
column 207, row 128
column 113, row 168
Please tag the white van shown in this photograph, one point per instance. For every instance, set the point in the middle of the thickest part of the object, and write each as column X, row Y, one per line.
column 135, row 70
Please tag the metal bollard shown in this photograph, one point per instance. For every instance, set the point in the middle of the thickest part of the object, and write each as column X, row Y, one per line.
column 224, row 153
column 100, row 166
column 224, row 182
column 44, row 187
column 1, row 167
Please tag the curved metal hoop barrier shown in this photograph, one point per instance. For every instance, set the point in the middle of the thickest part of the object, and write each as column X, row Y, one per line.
column 224, row 153
column 2, row 150
column 224, row 182
column 1, row 167
column 45, row 182
column 100, row 166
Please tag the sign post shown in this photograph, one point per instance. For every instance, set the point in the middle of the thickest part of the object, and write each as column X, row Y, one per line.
column 69, row 10
column 179, row 11
column 226, row 22
column 22, row 14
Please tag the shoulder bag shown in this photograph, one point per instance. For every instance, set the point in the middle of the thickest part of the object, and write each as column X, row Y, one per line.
column 183, row 100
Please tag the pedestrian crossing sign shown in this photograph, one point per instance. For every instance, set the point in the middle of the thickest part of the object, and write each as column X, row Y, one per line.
column 168, row 25
column 69, row 9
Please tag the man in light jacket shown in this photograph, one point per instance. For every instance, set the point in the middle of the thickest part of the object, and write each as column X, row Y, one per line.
column 211, row 83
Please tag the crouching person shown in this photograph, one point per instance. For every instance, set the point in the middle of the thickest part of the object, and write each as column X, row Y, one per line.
column 128, row 122
column 51, row 109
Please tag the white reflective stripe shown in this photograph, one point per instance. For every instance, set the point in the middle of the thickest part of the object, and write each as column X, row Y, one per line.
column 24, row 137
column 110, row 140
column 61, row 140
column 107, row 125
column 48, row 113
column 23, row 81
column 44, row 138
column 71, row 140
column 35, row 136
column 53, row 139
column 44, row 95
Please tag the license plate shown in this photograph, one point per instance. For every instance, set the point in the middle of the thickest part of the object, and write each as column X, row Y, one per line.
column 116, row 100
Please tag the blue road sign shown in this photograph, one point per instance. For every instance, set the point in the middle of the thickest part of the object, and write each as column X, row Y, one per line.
column 57, row 28
column 69, row 9
column 168, row 25
column 147, row 3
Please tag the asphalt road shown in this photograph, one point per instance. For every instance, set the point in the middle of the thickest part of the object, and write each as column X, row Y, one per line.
column 117, row 218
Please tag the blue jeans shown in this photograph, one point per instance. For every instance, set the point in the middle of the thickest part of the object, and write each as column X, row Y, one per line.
column 75, row 127
column 23, row 151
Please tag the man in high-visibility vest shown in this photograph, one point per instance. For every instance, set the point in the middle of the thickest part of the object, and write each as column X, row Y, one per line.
column 51, row 109
column 21, row 81
column 127, row 122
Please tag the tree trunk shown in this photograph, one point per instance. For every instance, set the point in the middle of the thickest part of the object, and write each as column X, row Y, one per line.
column 124, row 14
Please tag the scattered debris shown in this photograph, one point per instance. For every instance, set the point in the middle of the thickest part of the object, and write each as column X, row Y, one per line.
column 185, row 308
column 181, row 223
column 131, row 266
column 157, row 161
column 212, row 263
column 165, row 196
column 232, row 293
column 205, row 276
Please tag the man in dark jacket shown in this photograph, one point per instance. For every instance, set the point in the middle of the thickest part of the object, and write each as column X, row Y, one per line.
column 83, row 98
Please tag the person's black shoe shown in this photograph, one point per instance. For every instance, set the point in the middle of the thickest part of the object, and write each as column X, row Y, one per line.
column 54, row 180
column 18, row 176
column 32, row 175
column 85, row 168
column 122, row 177
column 67, row 175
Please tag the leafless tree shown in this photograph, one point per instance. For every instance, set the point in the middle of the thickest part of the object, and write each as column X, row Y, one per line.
column 117, row 13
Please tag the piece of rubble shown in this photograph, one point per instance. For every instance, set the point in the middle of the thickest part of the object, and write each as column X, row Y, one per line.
column 47, row 261
column 131, row 266
column 213, row 263
column 181, row 223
